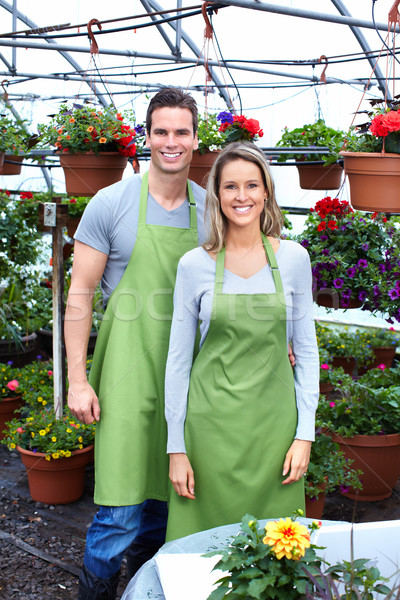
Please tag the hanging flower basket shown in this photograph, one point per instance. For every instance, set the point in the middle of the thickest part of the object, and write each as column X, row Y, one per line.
column 86, row 174
column 201, row 165
column 9, row 168
column 331, row 299
column 319, row 177
column 374, row 179
column 56, row 481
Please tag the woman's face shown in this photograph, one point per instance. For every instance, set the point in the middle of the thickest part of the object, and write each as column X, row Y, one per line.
column 242, row 193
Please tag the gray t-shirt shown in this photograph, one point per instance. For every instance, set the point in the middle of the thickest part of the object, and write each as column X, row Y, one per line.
column 109, row 224
column 194, row 291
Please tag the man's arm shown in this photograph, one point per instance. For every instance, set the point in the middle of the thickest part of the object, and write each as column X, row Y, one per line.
column 87, row 270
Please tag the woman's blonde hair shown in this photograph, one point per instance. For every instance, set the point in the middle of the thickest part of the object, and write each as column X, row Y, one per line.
column 271, row 219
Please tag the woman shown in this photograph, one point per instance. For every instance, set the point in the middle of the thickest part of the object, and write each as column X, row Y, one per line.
column 247, row 422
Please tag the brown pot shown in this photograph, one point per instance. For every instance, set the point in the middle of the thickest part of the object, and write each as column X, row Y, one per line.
column 315, row 506
column 320, row 177
column 20, row 355
column 348, row 363
column 1, row 159
column 45, row 339
column 331, row 299
column 56, row 481
column 378, row 456
column 86, row 174
column 9, row 168
column 7, row 408
column 374, row 179
column 325, row 388
column 200, row 166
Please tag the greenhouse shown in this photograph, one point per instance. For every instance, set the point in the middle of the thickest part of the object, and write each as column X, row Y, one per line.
column 173, row 179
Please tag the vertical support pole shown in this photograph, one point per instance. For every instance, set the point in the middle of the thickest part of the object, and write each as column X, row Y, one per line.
column 178, row 31
column 14, row 28
column 58, row 310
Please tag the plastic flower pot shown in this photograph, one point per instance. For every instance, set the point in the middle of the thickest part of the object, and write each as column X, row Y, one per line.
column 374, row 179
column 201, row 165
column 10, row 168
column 319, row 177
column 86, row 174
column 56, row 481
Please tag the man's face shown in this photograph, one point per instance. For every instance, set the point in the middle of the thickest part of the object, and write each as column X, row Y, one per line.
column 171, row 139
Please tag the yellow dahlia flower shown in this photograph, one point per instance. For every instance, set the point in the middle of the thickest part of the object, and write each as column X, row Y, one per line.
column 287, row 538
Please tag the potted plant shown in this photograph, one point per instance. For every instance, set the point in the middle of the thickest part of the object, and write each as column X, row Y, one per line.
column 216, row 131
column 383, row 343
column 364, row 419
column 10, row 394
column 346, row 348
column 372, row 159
column 328, row 470
column 14, row 142
column 96, row 141
column 325, row 368
column 314, row 176
column 55, row 452
column 348, row 274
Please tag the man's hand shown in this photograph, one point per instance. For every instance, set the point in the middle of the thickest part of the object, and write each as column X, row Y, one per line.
column 83, row 403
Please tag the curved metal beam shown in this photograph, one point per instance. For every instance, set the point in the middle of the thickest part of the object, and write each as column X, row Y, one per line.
column 364, row 45
column 65, row 55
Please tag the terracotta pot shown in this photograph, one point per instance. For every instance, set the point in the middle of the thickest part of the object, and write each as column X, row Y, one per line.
column 72, row 225
column 19, row 355
column 378, row 456
column 331, row 299
column 7, row 408
column 86, row 174
column 315, row 506
column 348, row 363
column 10, row 169
column 200, row 166
column 325, row 389
column 374, row 179
column 320, row 177
column 56, row 481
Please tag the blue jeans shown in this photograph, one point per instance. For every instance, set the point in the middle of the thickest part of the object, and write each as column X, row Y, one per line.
column 115, row 528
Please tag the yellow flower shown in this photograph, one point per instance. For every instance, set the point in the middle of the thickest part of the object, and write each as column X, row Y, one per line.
column 80, row 440
column 44, row 402
column 54, row 439
column 32, row 434
column 29, row 419
column 40, row 399
column 67, row 453
column 48, row 457
column 287, row 538
column 42, row 432
column 69, row 430
column 55, row 455
column 80, row 446
column 12, row 446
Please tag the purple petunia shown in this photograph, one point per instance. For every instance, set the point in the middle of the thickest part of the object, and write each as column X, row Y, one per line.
column 338, row 283
column 325, row 251
column 351, row 271
column 393, row 293
column 225, row 117
column 346, row 294
column 324, row 238
column 365, row 247
column 362, row 295
column 381, row 268
column 376, row 290
column 140, row 130
column 10, row 363
column 305, row 243
column 362, row 263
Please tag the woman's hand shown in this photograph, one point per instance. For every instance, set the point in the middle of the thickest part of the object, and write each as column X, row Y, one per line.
column 296, row 460
column 181, row 475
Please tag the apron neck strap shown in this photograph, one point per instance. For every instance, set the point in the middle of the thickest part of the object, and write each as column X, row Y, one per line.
column 219, row 271
column 144, row 191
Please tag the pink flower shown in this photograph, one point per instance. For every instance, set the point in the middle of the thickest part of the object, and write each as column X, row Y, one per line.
column 381, row 366
column 332, row 404
column 20, row 430
column 49, row 373
column 325, row 366
column 12, row 385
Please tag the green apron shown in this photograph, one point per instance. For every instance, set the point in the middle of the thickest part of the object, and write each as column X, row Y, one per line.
column 128, row 369
column 241, row 414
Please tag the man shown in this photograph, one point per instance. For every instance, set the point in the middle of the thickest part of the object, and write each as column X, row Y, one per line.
column 131, row 238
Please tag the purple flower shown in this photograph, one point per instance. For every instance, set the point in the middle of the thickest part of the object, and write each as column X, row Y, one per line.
column 351, row 271
column 324, row 238
column 325, row 251
column 381, row 267
column 365, row 247
column 362, row 221
column 393, row 294
column 338, row 283
column 362, row 263
column 10, row 363
column 377, row 291
column 343, row 227
column 140, row 130
column 362, row 295
column 305, row 243
column 346, row 294
column 225, row 117
column 344, row 489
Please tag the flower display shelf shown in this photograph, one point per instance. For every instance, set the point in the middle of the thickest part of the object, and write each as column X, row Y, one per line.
column 201, row 165
column 374, row 179
column 378, row 456
column 319, row 177
column 11, row 169
column 86, row 174
column 56, row 481
column 7, row 408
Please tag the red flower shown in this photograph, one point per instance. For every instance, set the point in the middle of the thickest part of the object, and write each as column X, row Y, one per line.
column 252, row 125
column 378, row 126
column 332, row 225
column 26, row 195
column 391, row 120
column 72, row 201
column 223, row 127
column 321, row 226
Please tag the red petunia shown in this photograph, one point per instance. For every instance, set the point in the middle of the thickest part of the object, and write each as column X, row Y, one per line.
column 321, row 226
column 26, row 195
column 332, row 225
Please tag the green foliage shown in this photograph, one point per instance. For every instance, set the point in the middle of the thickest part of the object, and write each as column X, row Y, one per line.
column 209, row 136
column 76, row 205
column 255, row 571
column 11, row 384
column 329, row 467
column 362, row 406
column 362, row 581
column 342, row 342
column 14, row 136
column 316, row 134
